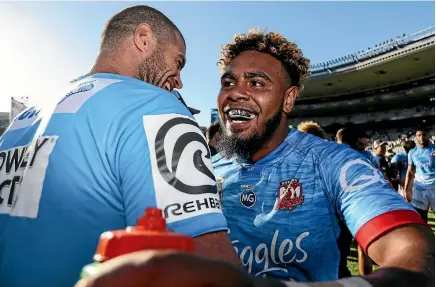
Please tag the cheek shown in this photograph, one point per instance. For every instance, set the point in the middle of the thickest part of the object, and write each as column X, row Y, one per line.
column 221, row 97
column 269, row 106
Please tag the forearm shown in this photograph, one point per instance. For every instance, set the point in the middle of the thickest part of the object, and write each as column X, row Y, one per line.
column 383, row 277
column 406, row 258
column 398, row 277
column 408, row 183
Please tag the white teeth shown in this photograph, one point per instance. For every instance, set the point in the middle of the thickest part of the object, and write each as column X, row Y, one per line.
column 239, row 114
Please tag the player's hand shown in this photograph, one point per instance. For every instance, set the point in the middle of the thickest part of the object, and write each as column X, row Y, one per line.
column 154, row 268
column 408, row 196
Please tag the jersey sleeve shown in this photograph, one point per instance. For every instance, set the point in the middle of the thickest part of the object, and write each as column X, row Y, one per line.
column 160, row 159
column 410, row 157
column 361, row 195
column 395, row 159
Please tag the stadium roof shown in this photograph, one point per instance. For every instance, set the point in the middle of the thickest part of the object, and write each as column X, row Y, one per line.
column 413, row 59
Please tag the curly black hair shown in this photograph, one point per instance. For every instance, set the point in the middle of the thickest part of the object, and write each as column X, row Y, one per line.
column 287, row 52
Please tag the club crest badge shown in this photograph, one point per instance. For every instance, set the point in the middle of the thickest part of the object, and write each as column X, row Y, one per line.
column 290, row 194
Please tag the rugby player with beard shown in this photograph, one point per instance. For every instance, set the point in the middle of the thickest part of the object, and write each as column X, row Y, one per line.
column 98, row 159
column 284, row 193
column 420, row 177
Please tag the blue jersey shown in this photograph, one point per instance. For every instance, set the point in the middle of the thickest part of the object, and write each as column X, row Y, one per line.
column 400, row 159
column 423, row 161
column 283, row 211
column 370, row 157
column 111, row 147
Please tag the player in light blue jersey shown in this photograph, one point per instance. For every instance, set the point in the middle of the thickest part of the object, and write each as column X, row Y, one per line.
column 420, row 172
column 399, row 165
column 115, row 143
column 284, row 192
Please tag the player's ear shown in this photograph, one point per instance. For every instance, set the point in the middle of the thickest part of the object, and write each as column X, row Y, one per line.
column 144, row 40
column 289, row 99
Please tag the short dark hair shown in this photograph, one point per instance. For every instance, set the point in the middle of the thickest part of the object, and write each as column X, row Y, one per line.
column 408, row 145
column 312, row 128
column 348, row 136
column 421, row 128
column 274, row 44
column 124, row 23
column 212, row 130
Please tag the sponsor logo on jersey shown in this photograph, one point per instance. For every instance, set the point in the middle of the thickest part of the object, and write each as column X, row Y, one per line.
column 80, row 92
column 247, row 197
column 181, row 167
column 25, row 119
column 82, row 87
column 290, row 194
column 369, row 176
column 30, row 113
column 22, row 172
column 273, row 256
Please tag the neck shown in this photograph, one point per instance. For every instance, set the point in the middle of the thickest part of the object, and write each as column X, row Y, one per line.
column 423, row 145
column 274, row 141
column 113, row 63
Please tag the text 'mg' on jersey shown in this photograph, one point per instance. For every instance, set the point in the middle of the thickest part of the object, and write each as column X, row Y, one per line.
column 283, row 212
column 111, row 147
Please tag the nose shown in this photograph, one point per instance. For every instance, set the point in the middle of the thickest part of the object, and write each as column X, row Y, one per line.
column 238, row 95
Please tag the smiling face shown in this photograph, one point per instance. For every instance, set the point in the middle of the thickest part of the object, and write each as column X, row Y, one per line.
column 253, row 101
column 422, row 137
column 163, row 69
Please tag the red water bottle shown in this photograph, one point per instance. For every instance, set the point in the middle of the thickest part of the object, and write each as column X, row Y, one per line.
column 150, row 233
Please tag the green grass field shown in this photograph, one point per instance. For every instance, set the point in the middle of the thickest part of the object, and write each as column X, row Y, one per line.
column 352, row 259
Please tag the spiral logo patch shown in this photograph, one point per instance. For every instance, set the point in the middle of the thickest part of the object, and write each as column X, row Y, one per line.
column 181, row 166
column 169, row 172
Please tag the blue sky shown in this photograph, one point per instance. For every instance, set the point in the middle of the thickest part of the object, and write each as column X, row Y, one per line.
column 49, row 43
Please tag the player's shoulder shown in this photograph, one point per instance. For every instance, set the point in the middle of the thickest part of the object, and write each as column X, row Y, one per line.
column 220, row 161
column 25, row 119
column 110, row 92
column 22, row 129
column 412, row 151
column 307, row 143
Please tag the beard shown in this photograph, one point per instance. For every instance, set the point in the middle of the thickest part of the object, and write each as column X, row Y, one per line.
column 152, row 69
column 244, row 149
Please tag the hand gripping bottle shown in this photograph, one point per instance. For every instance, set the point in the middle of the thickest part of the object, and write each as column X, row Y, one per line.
column 150, row 233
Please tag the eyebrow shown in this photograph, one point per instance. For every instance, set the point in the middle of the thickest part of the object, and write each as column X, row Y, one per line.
column 250, row 75
column 228, row 75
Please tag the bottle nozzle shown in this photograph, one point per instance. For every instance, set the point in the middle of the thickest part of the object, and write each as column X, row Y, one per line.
column 152, row 220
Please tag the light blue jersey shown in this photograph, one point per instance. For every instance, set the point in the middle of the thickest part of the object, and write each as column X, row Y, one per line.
column 283, row 211
column 110, row 148
column 423, row 161
column 400, row 159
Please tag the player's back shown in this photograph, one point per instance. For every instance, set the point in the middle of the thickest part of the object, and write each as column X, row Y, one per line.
column 401, row 160
column 71, row 192
column 18, row 135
